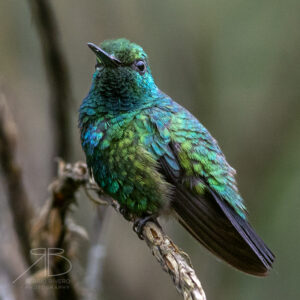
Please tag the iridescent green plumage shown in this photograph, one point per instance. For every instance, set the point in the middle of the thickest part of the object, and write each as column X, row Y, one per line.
column 152, row 155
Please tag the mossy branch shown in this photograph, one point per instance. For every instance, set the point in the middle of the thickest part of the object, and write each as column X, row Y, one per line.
column 53, row 229
column 173, row 261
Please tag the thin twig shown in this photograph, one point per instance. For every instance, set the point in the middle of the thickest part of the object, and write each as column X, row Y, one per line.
column 93, row 279
column 58, row 76
column 21, row 209
column 172, row 259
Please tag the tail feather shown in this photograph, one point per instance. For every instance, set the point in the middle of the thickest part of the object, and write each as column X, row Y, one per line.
column 222, row 231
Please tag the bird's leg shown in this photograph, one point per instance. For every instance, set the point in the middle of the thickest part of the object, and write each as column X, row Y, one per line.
column 138, row 225
column 125, row 213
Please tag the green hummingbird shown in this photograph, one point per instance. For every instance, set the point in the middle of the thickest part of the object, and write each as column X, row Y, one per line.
column 154, row 157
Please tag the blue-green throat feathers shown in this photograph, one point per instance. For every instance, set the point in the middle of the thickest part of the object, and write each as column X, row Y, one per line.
column 152, row 155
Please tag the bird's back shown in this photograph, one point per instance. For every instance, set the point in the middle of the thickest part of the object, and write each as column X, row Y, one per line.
column 205, row 196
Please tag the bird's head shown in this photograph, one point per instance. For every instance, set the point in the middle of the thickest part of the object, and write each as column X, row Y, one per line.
column 122, row 77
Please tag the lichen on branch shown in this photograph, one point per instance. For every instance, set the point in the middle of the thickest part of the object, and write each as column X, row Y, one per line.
column 174, row 261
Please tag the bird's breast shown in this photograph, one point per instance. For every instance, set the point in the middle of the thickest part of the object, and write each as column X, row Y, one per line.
column 124, row 168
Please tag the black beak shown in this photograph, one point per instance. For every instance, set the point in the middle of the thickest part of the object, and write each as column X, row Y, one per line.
column 105, row 58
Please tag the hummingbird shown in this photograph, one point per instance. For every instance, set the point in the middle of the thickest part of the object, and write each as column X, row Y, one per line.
column 155, row 158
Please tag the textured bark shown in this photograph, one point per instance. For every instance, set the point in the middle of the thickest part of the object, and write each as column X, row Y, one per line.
column 20, row 207
column 174, row 261
column 58, row 76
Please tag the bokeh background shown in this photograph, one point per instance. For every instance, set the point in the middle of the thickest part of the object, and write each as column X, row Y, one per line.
column 234, row 64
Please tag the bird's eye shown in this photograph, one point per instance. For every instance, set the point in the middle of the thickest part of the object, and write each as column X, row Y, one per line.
column 141, row 66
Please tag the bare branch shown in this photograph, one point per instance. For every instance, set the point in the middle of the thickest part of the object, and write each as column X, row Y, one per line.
column 20, row 207
column 57, row 73
column 53, row 229
column 172, row 259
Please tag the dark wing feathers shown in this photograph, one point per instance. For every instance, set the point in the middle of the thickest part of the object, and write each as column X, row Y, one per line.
column 248, row 234
column 258, row 247
column 215, row 224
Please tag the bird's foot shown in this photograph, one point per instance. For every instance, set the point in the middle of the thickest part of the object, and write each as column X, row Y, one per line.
column 139, row 224
column 125, row 213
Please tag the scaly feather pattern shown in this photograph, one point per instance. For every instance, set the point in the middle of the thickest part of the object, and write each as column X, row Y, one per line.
column 152, row 155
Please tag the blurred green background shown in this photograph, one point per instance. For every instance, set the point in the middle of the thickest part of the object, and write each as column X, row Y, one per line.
column 234, row 64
